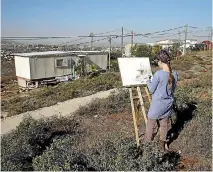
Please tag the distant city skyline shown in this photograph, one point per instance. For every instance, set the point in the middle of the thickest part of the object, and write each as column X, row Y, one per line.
column 81, row 17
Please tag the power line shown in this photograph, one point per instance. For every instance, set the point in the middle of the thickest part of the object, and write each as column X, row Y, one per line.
column 195, row 27
column 127, row 30
column 94, row 35
column 99, row 35
column 152, row 33
column 166, row 36
column 115, row 43
column 200, row 36
column 148, row 34
column 157, row 34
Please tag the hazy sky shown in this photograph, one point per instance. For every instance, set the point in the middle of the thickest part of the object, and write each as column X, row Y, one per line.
column 80, row 17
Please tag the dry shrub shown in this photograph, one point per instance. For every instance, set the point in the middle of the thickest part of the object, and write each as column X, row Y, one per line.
column 115, row 103
column 181, row 65
column 198, row 68
column 30, row 139
column 8, row 78
column 185, row 75
column 203, row 81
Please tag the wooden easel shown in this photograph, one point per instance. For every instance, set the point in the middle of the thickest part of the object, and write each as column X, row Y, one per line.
column 136, row 102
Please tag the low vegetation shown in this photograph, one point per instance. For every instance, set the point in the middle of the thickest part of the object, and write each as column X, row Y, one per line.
column 107, row 155
column 68, row 144
column 56, row 144
column 51, row 95
column 30, row 139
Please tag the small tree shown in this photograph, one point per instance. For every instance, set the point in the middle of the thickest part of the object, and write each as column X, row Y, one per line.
column 80, row 68
column 141, row 50
column 174, row 49
column 155, row 50
column 115, row 54
column 114, row 65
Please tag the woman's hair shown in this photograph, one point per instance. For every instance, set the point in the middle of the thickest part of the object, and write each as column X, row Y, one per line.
column 165, row 57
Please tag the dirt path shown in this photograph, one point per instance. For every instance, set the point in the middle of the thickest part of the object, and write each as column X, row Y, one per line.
column 63, row 108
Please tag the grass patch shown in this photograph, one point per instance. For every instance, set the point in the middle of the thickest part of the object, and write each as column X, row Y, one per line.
column 48, row 96
column 115, row 103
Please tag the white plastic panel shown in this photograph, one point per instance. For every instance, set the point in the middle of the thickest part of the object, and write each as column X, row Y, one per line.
column 22, row 65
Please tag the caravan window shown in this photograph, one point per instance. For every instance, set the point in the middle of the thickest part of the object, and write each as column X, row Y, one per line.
column 59, row 62
column 62, row 62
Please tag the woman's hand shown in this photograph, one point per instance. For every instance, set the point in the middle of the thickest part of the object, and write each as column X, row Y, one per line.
column 150, row 77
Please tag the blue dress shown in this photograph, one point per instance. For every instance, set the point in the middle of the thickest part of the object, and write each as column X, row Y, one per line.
column 162, row 96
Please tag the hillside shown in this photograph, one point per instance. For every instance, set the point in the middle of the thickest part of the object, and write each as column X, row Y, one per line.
column 100, row 135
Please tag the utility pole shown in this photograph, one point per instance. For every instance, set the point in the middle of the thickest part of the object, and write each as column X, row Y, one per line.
column 210, row 39
column 179, row 41
column 179, row 33
column 109, row 39
column 186, row 27
column 91, row 43
column 122, row 41
column 131, row 42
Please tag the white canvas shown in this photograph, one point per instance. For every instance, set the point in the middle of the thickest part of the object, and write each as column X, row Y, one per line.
column 134, row 70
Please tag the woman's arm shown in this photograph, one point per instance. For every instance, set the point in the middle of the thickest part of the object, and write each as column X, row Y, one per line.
column 152, row 84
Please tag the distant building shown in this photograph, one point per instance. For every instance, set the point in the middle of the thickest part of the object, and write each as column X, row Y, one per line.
column 167, row 42
column 151, row 44
column 208, row 44
column 189, row 43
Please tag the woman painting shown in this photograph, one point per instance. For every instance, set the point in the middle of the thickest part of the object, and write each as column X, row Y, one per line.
column 162, row 87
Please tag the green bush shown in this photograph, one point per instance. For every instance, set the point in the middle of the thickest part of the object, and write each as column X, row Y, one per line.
column 106, row 155
column 60, row 156
column 114, row 65
column 30, row 139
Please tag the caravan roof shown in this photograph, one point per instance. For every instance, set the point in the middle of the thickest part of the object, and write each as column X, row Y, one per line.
column 48, row 53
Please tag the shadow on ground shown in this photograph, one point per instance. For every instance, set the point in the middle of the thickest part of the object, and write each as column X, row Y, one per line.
column 183, row 114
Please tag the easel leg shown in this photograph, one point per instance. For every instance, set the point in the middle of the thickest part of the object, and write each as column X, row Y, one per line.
column 134, row 117
column 136, row 107
column 142, row 104
column 147, row 92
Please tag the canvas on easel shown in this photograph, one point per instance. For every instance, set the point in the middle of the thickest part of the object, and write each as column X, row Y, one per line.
column 135, row 71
